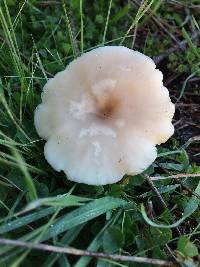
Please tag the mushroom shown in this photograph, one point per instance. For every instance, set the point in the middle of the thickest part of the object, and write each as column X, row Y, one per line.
column 103, row 116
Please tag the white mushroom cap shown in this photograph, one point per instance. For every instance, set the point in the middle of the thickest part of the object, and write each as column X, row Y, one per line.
column 103, row 115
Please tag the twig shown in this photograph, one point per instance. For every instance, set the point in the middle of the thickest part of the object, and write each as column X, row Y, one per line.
column 171, row 79
column 164, row 28
column 48, row 3
column 196, row 79
column 75, row 31
column 155, row 190
column 10, row 182
column 187, row 105
column 159, row 58
column 190, row 191
column 175, row 176
column 79, row 252
column 179, row 45
column 191, row 140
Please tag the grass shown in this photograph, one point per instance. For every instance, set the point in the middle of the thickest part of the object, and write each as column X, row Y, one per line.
column 135, row 217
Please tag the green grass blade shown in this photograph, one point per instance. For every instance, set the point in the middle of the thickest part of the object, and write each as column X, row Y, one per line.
column 185, row 84
column 9, row 32
column 83, row 214
column 190, row 43
column 69, row 30
column 107, row 20
column 145, row 6
column 27, row 178
column 22, row 221
column 65, row 200
column 76, row 217
column 81, row 15
column 22, row 257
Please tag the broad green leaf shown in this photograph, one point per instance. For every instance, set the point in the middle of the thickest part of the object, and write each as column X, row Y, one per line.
column 113, row 240
column 172, row 166
column 160, row 236
column 186, row 247
column 27, row 178
column 136, row 180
